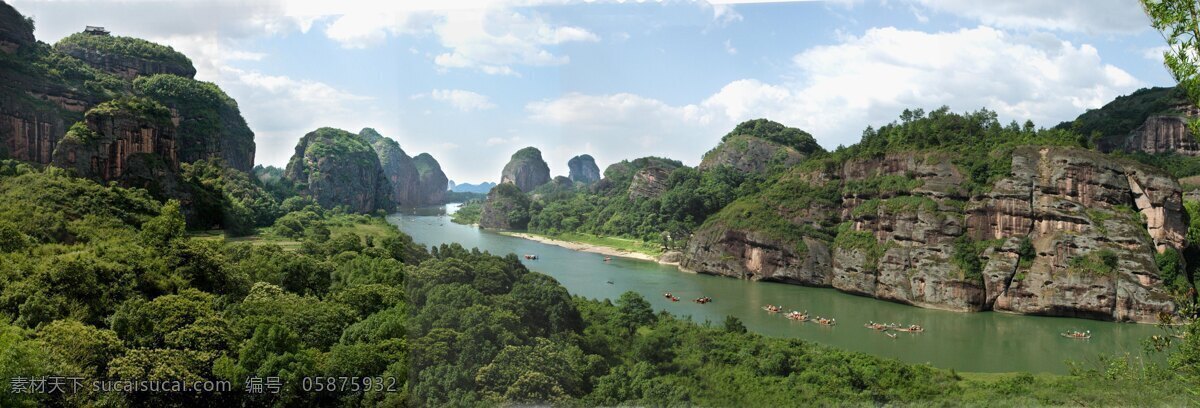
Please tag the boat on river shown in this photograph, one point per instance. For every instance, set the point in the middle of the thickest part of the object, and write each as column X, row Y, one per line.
column 912, row 328
column 825, row 322
column 773, row 308
column 797, row 316
column 1075, row 334
column 879, row 326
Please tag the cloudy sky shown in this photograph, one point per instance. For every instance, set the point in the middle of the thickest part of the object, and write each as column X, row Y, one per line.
column 473, row 81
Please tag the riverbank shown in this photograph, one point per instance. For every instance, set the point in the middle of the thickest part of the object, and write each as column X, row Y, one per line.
column 578, row 243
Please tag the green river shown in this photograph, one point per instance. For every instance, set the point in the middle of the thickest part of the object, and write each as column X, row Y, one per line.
column 979, row 342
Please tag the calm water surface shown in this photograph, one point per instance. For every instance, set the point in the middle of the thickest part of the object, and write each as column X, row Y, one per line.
column 981, row 342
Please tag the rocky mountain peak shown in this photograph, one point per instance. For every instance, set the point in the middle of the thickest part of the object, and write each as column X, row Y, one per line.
column 526, row 170
column 336, row 167
column 583, row 169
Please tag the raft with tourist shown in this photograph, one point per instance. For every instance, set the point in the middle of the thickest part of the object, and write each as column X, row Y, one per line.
column 1076, row 334
column 825, row 322
column 797, row 316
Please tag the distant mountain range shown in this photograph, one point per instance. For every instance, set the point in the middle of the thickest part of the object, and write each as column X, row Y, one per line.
column 481, row 188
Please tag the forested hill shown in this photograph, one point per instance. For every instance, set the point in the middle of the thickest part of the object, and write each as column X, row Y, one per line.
column 111, row 288
column 937, row 209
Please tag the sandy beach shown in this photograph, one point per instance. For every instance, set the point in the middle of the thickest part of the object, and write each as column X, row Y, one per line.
column 597, row 249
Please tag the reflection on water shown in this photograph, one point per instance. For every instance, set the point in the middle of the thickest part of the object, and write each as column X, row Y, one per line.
column 987, row 342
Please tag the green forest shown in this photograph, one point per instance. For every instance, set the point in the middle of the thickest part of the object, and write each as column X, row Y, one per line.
column 104, row 283
column 208, row 271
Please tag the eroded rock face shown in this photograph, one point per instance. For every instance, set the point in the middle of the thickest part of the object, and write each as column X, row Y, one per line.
column 649, row 182
column 112, row 133
column 402, row 174
column 433, row 182
column 1164, row 134
column 757, row 256
column 583, row 169
column 336, row 167
column 210, row 125
column 750, row 154
column 95, row 51
column 1094, row 224
column 526, row 170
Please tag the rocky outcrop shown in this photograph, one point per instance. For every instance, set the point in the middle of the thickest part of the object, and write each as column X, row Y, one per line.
column 755, row 255
column 432, row 181
column 112, row 132
column 399, row 168
column 526, row 170
column 209, row 121
column 15, row 30
column 908, row 232
column 125, row 56
column 649, row 182
column 750, row 154
column 583, row 169
column 1164, row 134
column 506, row 208
column 1150, row 120
column 336, row 167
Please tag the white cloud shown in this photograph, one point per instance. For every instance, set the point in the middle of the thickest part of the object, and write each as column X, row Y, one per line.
column 1155, row 53
column 488, row 36
column 861, row 81
column 362, row 30
column 1088, row 16
column 729, row 48
column 493, row 41
column 211, row 33
column 281, row 109
column 462, row 100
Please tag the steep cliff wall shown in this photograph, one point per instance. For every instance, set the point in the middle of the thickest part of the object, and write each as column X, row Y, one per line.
column 114, row 131
column 336, row 167
column 901, row 227
column 526, row 170
column 433, row 182
column 402, row 174
column 125, row 56
column 210, row 124
column 583, row 169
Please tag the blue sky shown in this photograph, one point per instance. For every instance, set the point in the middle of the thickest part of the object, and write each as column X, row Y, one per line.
column 473, row 81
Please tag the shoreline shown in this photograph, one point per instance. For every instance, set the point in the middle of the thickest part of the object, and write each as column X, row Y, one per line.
column 610, row 251
column 582, row 247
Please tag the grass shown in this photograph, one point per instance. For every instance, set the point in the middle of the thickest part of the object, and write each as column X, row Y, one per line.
column 262, row 236
column 375, row 228
column 624, row 244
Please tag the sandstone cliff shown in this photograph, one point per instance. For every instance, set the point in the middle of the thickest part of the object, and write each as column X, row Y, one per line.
column 1151, row 120
column 526, row 170
column 750, row 154
column 125, row 56
column 905, row 230
column 336, row 167
column 402, row 174
column 36, row 105
column 649, row 182
column 433, row 182
column 114, row 131
column 210, row 123
column 583, row 169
